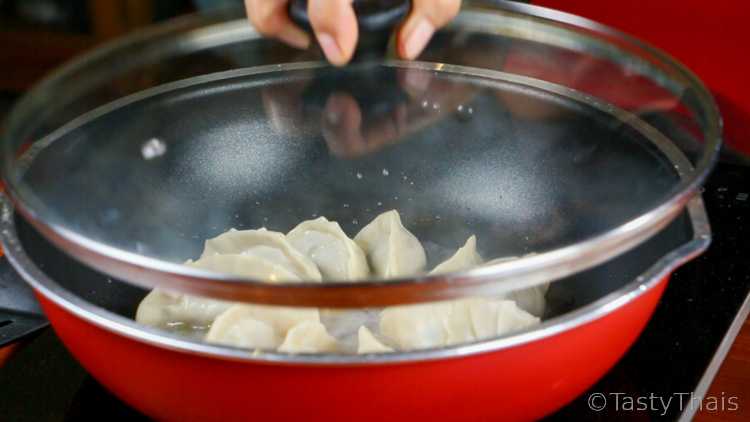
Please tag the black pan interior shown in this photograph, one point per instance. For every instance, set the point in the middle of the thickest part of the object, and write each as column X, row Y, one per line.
column 567, row 294
column 521, row 181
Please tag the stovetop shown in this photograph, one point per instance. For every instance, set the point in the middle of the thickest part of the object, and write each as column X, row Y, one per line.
column 678, row 353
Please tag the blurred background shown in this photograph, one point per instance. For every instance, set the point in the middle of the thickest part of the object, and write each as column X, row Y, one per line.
column 38, row 35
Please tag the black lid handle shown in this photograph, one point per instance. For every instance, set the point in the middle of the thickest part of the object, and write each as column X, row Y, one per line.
column 372, row 15
column 376, row 19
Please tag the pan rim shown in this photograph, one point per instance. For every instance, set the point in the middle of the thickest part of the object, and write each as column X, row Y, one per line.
column 599, row 308
column 129, row 328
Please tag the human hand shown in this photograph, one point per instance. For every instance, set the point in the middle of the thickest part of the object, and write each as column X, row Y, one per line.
column 335, row 25
column 351, row 126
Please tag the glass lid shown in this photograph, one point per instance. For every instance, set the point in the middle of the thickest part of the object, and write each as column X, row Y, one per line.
column 521, row 147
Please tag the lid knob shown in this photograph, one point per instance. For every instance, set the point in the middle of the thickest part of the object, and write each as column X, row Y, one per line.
column 376, row 20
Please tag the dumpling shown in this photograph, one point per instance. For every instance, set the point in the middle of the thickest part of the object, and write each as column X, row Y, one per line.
column 392, row 251
column 532, row 299
column 452, row 322
column 512, row 318
column 457, row 324
column 344, row 323
column 497, row 317
column 175, row 311
column 415, row 326
column 246, row 266
column 281, row 318
column 258, row 326
column 268, row 245
column 368, row 343
column 429, row 325
column 337, row 256
column 308, row 337
column 464, row 258
column 238, row 327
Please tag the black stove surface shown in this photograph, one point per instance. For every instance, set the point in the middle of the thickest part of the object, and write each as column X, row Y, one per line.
column 681, row 344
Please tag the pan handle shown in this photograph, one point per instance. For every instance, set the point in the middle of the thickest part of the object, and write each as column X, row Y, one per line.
column 20, row 314
column 376, row 20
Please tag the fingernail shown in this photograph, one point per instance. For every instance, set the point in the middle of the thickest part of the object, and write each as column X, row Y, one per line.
column 418, row 38
column 330, row 48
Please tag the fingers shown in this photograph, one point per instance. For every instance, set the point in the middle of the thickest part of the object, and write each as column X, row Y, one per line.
column 284, row 107
column 270, row 18
column 425, row 18
column 347, row 135
column 335, row 26
column 342, row 120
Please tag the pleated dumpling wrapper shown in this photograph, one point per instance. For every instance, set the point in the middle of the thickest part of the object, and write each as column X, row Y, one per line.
column 465, row 257
column 434, row 324
column 415, row 326
column 238, row 327
column 491, row 318
column 251, row 326
column 251, row 266
column 391, row 249
column 326, row 244
column 272, row 247
column 308, row 337
column 452, row 322
column 532, row 300
column 172, row 310
column 368, row 343
column 175, row 311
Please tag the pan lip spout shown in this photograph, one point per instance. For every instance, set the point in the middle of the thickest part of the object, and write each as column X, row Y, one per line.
column 558, row 325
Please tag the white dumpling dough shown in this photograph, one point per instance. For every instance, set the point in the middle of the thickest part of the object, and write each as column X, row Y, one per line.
column 391, row 249
column 160, row 309
column 428, row 325
column 167, row 310
column 250, row 266
column 281, row 318
column 415, row 326
column 326, row 244
column 457, row 323
column 238, row 327
column 308, row 337
column 367, row 343
column 464, row 258
column 498, row 317
column 452, row 322
column 265, row 244
column 532, row 299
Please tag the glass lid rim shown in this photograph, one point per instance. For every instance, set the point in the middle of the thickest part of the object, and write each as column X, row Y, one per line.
column 524, row 271
column 129, row 328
